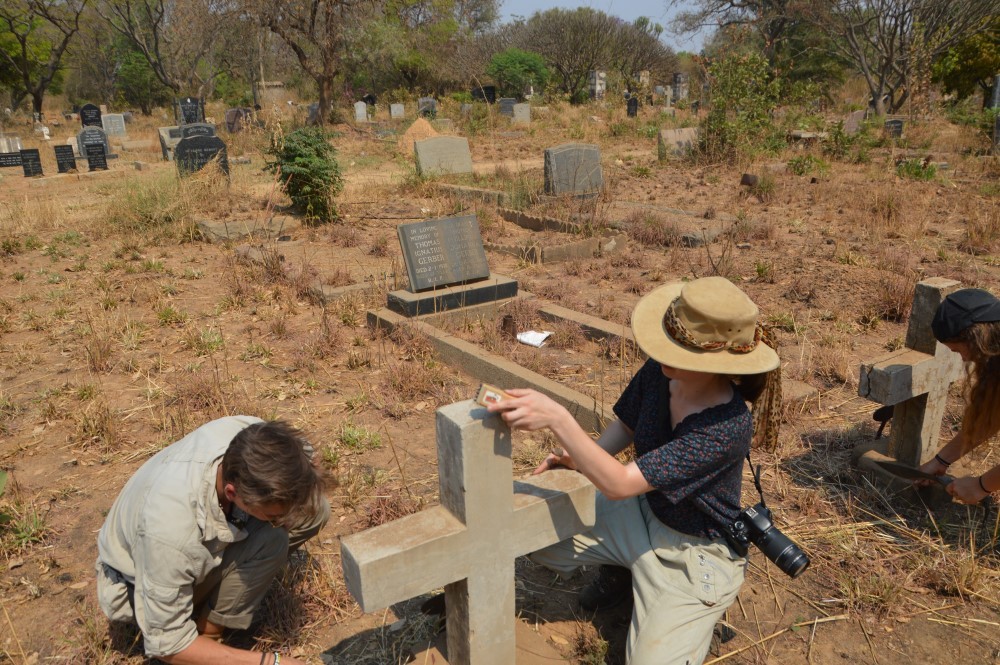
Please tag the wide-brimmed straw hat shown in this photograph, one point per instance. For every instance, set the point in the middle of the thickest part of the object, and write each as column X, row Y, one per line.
column 706, row 325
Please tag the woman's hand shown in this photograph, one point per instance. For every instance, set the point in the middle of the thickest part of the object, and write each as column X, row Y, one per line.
column 933, row 467
column 556, row 459
column 528, row 410
column 967, row 490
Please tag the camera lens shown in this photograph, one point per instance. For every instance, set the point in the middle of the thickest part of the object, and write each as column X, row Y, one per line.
column 785, row 554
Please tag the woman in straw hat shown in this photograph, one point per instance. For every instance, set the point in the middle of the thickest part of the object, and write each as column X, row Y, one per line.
column 968, row 323
column 659, row 515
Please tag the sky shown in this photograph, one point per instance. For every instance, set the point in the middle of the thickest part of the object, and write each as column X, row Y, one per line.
column 625, row 9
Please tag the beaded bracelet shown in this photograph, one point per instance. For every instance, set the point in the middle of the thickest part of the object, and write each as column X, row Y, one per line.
column 942, row 461
column 983, row 487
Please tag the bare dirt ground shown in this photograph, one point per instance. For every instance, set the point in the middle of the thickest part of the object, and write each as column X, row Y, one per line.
column 120, row 331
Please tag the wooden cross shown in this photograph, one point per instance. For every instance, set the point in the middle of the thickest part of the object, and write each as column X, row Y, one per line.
column 468, row 544
column 915, row 379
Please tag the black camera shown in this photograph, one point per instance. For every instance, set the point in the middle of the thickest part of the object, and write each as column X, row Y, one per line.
column 754, row 525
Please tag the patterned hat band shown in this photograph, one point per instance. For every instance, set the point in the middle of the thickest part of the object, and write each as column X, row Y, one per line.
column 675, row 328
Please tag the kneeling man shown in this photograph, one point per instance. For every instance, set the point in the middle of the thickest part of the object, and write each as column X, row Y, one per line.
column 192, row 543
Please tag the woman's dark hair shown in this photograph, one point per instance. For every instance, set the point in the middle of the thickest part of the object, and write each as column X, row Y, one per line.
column 268, row 464
column 982, row 409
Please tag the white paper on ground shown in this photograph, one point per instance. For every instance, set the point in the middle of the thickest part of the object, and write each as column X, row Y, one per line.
column 533, row 337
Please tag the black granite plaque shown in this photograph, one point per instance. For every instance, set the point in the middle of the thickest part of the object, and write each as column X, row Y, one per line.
column 632, row 106
column 894, row 128
column 193, row 153
column 9, row 159
column 443, row 252
column 189, row 110
column 31, row 162
column 996, row 135
column 97, row 159
column 197, row 129
column 90, row 116
column 65, row 158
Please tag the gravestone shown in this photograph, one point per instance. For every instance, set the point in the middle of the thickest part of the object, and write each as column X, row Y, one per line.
column 313, row 117
column 114, row 124
column 573, row 168
column 522, row 113
column 660, row 91
column 465, row 110
column 169, row 138
column 597, row 82
column 370, row 99
column 894, row 128
column 681, row 86
column 92, row 136
column 996, row 135
column 90, row 116
column 427, row 106
column 468, row 544
column 197, row 129
column 97, row 159
column 238, row 119
column 65, row 158
column 397, row 111
column 853, row 122
column 632, row 106
column 194, row 152
column 676, row 142
column 360, row 112
column 507, row 106
column 10, row 160
column 994, row 101
column 31, row 163
column 443, row 155
column 10, row 144
column 486, row 93
column 443, row 252
column 915, row 379
column 188, row 110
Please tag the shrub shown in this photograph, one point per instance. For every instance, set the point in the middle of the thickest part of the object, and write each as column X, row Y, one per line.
column 307, row 167
column 807, row 164
column 916, row 169
column 743, row 96
column 515, row 70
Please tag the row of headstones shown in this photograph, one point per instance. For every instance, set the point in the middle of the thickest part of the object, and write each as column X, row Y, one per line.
column 573, row 168
column 680, row 89
column 427, row 107
column 30, row 160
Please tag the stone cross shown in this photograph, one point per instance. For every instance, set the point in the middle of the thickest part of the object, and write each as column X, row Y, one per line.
column 915, row 379
column 468, row 544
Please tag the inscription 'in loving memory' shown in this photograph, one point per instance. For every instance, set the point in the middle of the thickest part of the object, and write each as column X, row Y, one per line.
column 443, row 251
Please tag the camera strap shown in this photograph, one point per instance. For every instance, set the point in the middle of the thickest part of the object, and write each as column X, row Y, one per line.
column 755, row 473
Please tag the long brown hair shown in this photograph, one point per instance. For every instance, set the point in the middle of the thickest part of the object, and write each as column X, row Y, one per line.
column 763, row 391
column 981, row 419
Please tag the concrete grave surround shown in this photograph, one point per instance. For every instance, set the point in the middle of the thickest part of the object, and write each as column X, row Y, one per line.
column 521, row 113
column 573, row 168
column 676, row 142
column 397, row 111
column 468, row 544
column 360, row 112
column 916, row 378
column 114, row 124
column 442, row 155
column 169, row 138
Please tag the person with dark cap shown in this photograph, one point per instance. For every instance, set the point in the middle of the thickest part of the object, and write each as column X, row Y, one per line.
column 968, row 323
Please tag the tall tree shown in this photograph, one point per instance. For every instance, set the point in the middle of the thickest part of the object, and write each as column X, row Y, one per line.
column 182, row 40
column 769, row 19
column 34, row 35
column 893, row 42
column 315, row 30
column 638, row 48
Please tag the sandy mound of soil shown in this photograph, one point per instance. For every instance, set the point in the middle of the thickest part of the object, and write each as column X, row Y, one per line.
column 418, row 131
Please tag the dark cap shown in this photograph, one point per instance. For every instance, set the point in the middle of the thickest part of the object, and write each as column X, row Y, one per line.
column 961, row 309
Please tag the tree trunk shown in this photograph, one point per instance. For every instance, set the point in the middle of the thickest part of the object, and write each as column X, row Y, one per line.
column 36, row 102
column 325, row 85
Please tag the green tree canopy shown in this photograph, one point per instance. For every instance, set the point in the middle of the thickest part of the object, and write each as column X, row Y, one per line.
column 515, row 70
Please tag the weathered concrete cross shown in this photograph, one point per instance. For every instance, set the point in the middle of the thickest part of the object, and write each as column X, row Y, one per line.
column 468, row 544
column 915, row 379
